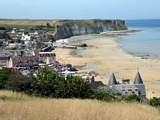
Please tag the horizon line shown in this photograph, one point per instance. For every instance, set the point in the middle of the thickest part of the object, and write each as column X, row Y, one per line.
column 77, row 19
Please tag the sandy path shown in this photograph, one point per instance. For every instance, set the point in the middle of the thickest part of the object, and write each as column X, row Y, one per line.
column 109, row 57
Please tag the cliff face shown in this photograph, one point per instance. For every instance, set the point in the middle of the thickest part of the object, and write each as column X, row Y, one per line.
column 68, row 28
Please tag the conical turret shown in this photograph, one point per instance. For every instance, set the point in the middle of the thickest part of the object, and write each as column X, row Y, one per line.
column 138, row 79
column 112, row 80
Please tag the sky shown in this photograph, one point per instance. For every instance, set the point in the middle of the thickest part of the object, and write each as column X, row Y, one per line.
column 80, row 9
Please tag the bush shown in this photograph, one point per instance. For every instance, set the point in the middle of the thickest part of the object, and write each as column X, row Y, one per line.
column 76, row 87
column 4, row 77
column 52, row 84
column 133, row 98
column 49, row 83
column 106, row 94
column 21, row 85
column 155, row 102
column 45, row 83
column 14, row 80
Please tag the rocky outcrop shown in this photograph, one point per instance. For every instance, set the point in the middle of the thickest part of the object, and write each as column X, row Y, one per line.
column 68, row 28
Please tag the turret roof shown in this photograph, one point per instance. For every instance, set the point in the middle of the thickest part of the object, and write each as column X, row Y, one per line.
column 112, row 80
column 138, row 79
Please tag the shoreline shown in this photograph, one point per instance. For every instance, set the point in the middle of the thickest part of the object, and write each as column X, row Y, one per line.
column 108, row 56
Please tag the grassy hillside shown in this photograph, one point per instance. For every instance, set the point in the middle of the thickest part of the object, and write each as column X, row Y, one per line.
column 25, row 22
column 22, row 107
column 29, row 22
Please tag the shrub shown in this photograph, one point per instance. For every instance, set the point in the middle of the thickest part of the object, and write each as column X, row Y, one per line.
column 106, row 94
column 4, row 77
column 133, row 98
column 52, row 84
column 45, row 83
column 21, row 85
column 76, row 87
column 155, row 102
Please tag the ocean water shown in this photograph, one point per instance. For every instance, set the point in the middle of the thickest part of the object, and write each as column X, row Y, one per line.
column 145, row 42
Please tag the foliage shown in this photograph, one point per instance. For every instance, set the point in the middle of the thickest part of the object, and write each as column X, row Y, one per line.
column 3, row 77
column 45, row 82
column 133, row 98
column 14, row 80
column 106, row 94
column 52, row 84
column 155, row 102
column 48, row 25
column 76, row 87
column 22, row 84
column 49, row 83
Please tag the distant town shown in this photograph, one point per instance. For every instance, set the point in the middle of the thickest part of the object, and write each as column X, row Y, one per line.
column 26, row 50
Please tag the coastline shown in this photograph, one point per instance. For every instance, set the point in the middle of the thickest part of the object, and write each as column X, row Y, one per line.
column 106, row 56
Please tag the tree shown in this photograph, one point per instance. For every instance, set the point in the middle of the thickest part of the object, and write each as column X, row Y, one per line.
column 52, row 84
column 76, row 87
column 45, row 82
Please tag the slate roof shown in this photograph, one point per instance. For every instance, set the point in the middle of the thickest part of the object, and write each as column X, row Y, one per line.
column 138, row 79
column 47, row 49
column 25, row 61
column 97, row 84
column 112, row 80
column 4, row 56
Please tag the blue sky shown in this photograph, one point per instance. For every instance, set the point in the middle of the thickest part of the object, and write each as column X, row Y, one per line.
column 80, row 9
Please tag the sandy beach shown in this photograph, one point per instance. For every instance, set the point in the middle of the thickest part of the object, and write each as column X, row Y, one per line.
column 104, row 56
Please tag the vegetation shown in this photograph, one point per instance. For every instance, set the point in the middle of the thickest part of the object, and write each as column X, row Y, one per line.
column 14, row 80
column 6, row 95
column 52, row 84
column 49, row 83
column 155, row 102
column 3, row 78
column 24, row 22
column 18, row 106
column 106, row 95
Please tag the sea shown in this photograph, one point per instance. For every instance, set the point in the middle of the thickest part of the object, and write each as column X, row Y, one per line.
column 144, row 41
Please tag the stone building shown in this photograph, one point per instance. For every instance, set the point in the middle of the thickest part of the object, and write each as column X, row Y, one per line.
column 126, row 88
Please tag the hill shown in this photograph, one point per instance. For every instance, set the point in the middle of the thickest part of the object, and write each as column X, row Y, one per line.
column 15, row 106
column 61, row 29
column 24, row 22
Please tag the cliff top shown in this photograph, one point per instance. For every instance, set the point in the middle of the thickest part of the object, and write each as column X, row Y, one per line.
column 29, row 22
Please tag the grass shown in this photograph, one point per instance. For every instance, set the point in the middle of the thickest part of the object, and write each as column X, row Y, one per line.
column 29, row 22
column 24, row 22
column 29, row 108
column 9, row 95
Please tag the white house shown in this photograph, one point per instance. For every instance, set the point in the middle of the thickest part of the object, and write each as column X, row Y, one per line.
column 26, row 38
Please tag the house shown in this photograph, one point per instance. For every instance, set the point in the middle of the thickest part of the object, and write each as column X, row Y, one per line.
column 31, row 59
column 12, row 45
column 26, row 38
column 23, row 62
column 125, row 88
column 4, row 57
column 47, row 55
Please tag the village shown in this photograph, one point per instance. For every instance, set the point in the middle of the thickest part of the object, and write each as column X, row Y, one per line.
column 27, row 51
